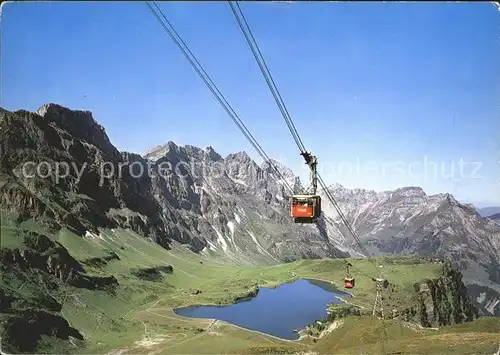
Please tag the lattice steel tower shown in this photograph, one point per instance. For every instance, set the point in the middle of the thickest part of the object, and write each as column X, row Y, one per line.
column 378, row 305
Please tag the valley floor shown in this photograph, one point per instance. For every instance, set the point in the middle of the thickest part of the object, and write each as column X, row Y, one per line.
column 139, row 318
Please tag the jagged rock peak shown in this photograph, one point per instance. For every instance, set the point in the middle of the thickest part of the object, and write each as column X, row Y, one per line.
column 80, row 124
column 171, row 146
column 418, row 192
column 405, row 191
column 338, row 187
column 52, row 110
column 282, row 168
column 411, row 190
column 192, row 150
column 129, row 156
column 451, row 199
column 412, row 193
column 469, row 205
column 272, row 165
column 239, row 155
column 155, row 149
column 160, row 151
column 212, row 154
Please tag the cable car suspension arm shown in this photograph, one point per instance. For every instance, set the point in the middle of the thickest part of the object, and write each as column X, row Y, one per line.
column 312, row 161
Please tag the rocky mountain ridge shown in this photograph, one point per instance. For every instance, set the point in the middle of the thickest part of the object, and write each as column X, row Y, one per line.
column 229, row 206
column 408, row 221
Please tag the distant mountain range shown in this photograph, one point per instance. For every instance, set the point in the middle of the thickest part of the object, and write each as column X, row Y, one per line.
column 488, row 211
column 227, row 206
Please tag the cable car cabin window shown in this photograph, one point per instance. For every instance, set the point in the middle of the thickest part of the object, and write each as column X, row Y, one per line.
column 306, row 208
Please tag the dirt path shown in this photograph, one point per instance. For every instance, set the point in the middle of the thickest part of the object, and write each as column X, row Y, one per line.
column 335, row 325
column 261, row 333
column 207, row 329
column 150, row 340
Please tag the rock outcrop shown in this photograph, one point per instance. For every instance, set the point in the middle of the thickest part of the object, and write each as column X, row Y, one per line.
column 442, row 301
column 22, row 330
column 51, row 257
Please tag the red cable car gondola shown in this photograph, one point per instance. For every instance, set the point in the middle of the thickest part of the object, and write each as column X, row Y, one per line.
column 348, row 280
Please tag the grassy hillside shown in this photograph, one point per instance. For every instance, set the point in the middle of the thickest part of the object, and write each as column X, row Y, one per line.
column 393, row 337
column 137, row 315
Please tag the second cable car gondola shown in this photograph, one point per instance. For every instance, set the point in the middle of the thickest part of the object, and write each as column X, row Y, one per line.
column 349, row 282
column 306, row 208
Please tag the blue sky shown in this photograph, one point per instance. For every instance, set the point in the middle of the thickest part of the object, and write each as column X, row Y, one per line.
column 369, row 85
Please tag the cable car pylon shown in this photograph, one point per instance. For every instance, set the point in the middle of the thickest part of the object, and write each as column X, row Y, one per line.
column 378, row 306
column 381, row 283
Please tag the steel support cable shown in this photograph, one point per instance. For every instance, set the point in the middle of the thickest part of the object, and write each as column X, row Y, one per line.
column 233, row 115
column 207, row 80
column 342, row 216
column 286, row 116
column 244, row 27
column 213, row 88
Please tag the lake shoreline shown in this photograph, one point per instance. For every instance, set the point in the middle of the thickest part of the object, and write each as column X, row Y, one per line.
column 269, row 286
column 243, row 299
column 254, row 292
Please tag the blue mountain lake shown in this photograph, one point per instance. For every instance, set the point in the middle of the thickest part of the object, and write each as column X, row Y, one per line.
column 275, row 311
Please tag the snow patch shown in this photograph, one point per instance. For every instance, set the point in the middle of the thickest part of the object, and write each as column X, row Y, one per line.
column 449, row 229
column 238, row 181
column 220, row 239
column 211, row 245
column 91, row 235
column 237, row 218
column 230, row 224
column 231, row 227
column 259, row 247
column 241, row 211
